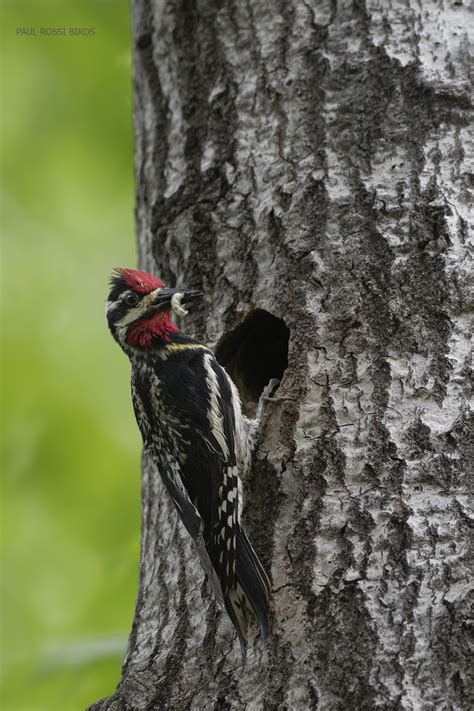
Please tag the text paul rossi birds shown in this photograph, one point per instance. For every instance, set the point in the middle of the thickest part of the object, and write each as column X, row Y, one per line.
column 55, row 31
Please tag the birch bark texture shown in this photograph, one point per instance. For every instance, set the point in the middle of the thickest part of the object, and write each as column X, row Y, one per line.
column 311, row 159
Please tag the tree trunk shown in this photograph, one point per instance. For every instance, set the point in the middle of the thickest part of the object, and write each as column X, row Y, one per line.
column 304, row 162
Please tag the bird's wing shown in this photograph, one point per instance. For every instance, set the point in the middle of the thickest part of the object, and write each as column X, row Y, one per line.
column 189, row 515
column 166, row 463
column 243, row 580
column 219, row 504
column 197, row 394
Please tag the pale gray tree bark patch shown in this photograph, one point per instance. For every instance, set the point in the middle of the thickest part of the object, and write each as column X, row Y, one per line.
column 312, row 160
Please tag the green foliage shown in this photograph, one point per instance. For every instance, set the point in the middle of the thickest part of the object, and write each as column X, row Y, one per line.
column 70, row 447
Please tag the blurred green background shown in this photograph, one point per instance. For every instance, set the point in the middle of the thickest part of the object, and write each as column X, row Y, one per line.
column 70, row 447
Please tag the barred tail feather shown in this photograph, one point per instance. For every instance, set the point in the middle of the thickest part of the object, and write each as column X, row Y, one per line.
column 250, row 595
column 239, row 612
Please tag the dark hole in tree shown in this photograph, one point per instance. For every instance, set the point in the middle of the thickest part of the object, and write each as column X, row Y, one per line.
column 253, row 353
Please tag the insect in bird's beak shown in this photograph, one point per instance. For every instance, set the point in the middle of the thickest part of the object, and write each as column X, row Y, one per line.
column 174, row 298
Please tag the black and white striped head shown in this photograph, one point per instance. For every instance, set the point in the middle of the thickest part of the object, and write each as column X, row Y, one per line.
column 138, row 308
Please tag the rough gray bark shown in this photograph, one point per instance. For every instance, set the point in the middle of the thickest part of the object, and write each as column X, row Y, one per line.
column 310, row 158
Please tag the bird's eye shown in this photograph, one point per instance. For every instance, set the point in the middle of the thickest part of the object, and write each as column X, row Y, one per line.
column 132, row 299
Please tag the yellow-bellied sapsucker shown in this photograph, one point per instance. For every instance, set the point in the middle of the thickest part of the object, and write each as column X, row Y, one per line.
column 189, row 414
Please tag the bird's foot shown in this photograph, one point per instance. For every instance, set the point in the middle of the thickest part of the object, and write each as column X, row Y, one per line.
column 267, row 396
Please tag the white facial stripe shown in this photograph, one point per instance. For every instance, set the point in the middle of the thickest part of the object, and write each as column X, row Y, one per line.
column 136, row 313
column 151, row 296
column 130, row 316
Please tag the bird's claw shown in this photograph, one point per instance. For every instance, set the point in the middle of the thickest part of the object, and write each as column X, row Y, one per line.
column 269, row 389
column 265, row 397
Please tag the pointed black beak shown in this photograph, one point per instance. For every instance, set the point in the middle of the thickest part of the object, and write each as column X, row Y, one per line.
column 164, row 296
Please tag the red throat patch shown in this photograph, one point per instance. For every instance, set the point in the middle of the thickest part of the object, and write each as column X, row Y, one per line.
column 141, row 282
column 143, row 333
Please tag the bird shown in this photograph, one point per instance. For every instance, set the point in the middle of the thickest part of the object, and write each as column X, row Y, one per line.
column 189, row 413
